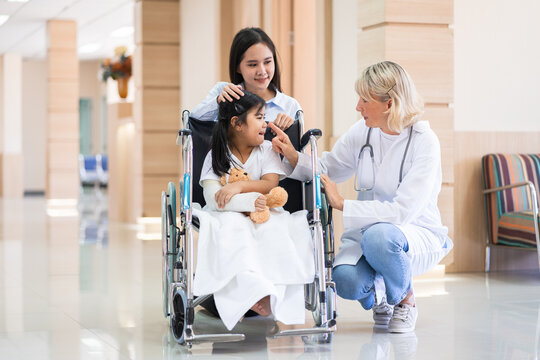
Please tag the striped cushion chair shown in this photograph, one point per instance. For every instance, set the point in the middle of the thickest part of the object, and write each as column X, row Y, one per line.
column 510, row 187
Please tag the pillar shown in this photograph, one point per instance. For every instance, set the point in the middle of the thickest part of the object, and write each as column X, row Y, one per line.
column 11, row 171
column 156, row 110
column 62, row 174
column 419, row 36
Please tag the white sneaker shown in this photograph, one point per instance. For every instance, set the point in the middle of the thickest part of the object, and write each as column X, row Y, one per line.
column 404, row 319
column 382, row 313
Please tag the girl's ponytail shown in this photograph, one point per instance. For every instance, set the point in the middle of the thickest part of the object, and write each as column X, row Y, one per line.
column 221, row 156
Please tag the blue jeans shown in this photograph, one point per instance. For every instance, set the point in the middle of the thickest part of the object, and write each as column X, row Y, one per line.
column 384, row 247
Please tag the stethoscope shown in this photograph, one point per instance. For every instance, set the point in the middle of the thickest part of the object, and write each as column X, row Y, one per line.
column 367, row 147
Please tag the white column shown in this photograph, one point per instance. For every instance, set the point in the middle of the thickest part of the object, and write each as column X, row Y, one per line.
column 11, row 124
column 344, row 64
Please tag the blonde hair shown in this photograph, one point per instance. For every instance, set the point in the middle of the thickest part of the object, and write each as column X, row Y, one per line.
column 388, row 80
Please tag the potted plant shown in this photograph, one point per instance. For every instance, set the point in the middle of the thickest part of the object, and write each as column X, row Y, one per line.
column 118, row 68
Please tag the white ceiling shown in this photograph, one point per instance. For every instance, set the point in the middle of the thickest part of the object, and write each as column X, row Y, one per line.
column 25, row 32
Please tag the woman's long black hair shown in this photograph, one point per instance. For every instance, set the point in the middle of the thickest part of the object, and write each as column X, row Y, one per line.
column 242, row 41
column 221, row 157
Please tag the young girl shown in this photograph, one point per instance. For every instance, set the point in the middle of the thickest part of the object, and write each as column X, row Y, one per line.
column 252, row 67
column 248, row 266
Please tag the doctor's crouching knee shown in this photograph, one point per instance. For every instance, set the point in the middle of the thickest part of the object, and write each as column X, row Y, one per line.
column 383, row 238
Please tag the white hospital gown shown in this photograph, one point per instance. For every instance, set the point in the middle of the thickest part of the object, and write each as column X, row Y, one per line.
column 241, row 262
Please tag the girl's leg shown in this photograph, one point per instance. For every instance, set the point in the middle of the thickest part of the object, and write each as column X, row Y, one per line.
column 355, row 282
column 385, row 248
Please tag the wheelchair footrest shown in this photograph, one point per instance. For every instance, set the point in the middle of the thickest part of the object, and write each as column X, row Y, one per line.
column 196, row 339
column 308, row 331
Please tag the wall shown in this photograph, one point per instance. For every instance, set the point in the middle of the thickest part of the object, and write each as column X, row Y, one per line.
column 497, row 72
column 34, row 117
column 345, row 61
column 199, row 65
column 497, row 88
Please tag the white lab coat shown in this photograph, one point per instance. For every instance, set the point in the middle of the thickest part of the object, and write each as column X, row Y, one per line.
column 412, row 207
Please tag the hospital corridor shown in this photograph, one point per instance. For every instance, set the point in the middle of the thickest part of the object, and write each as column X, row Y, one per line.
column 269, row 179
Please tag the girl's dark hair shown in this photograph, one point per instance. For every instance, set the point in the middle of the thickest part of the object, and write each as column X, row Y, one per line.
column 243, row 40
column 221, row 157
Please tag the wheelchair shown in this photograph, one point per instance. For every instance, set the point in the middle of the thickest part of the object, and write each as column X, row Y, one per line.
column 179, row 303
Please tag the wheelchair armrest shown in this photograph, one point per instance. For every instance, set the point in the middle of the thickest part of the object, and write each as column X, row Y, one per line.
column 305, row 138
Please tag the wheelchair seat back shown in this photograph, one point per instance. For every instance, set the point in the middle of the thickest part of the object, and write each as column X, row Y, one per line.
column 202, row 140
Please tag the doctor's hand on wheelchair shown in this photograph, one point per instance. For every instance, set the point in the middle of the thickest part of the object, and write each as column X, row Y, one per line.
column 332, row 194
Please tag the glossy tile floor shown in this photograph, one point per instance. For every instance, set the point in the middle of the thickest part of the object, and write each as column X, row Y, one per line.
column 74, row 287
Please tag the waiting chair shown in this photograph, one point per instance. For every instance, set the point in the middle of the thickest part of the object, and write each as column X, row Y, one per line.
column 511, row 183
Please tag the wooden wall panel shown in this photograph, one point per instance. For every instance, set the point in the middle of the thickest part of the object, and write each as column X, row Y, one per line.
column 62, row 184
column 441, row 121
column 63, row 64
column 160, row 109
column 64, row 96
column 159, row 20
column 62, row 34
column 160, row 65
column 157, row 100
column 63, row 126
column 63, row 111
column 427, row 55
column 371, row 47
column 373, row 12
column 161, row 154
column 63, row 155
column 281, row 35
column 153, row 186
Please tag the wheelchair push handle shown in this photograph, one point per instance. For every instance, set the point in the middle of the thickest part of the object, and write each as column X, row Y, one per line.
column 305, row 138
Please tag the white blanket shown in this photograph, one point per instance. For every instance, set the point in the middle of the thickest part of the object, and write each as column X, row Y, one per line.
column 241, row 262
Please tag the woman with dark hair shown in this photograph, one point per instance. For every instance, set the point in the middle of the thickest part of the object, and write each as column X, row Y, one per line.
column 246, row 266
column 253, row 67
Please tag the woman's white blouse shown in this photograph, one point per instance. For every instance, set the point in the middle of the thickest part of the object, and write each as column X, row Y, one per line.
column 281, row 103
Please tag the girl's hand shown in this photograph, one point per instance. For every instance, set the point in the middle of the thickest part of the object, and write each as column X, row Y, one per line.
column 282, row 145
column 330, row 188
column 224, row 195
column 229, row 92
column 260, row 203
column 283, row 121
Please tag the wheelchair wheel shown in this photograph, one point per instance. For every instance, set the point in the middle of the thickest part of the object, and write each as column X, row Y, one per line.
column 169, row 243
column 330, row 304
column 166, row 278
column 178, row 313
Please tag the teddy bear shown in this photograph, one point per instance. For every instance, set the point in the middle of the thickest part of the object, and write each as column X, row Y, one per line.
column 275, row 198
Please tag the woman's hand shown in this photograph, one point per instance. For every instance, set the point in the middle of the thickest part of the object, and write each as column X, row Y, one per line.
column 283, row 121
column 229, row 92
column 260, row 203
column 332, row 195
column 224, row 195
column 282, row 145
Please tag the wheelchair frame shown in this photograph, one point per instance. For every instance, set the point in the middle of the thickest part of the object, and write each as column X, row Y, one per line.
column 178, row 273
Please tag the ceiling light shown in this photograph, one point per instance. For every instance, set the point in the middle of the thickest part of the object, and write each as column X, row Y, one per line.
column 89, row 48
column 123, row 31
column 3, row 19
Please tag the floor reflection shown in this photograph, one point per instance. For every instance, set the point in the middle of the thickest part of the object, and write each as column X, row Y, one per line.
column 94, row 224
column 75, row 286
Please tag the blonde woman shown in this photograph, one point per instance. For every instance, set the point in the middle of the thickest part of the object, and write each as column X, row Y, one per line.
column 393, row 230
